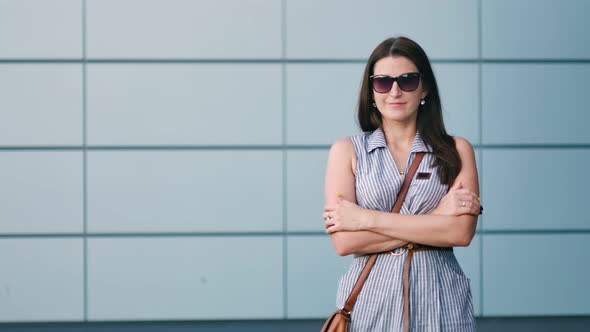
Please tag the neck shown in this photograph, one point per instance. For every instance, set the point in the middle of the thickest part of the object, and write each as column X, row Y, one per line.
column 399, row 135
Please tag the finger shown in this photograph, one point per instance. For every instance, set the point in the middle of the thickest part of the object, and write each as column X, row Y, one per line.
column 329, row 208
column 477, row 200
column 458, row 185
column 474, row 195
column 460, row 197
column 454, row 191
column 466, row 192
column 473, row 208
column 463, row 198
column 470, row 197
column 465, row 204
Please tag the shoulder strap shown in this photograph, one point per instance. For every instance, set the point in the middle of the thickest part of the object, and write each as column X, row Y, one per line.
column 373, row 257
column 406, row 185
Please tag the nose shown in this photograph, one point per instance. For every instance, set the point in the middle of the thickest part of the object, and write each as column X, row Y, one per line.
column 395, row 90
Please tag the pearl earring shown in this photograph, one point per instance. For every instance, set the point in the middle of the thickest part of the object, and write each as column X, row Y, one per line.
column 422, row 102
column 374, row 105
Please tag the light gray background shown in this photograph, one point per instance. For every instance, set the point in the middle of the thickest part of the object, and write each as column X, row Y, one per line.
column 164, row 160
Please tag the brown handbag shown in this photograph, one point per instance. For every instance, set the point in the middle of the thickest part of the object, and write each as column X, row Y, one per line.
column 339, row 321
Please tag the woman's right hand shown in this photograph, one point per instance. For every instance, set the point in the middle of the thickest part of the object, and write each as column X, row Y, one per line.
column 458, row 201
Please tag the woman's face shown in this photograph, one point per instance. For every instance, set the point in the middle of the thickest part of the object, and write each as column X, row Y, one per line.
column 397, row 105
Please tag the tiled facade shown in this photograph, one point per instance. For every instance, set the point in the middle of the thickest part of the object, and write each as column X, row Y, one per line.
column 164, row 160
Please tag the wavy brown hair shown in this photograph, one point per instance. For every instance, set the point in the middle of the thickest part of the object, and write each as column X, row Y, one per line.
column 429, row 122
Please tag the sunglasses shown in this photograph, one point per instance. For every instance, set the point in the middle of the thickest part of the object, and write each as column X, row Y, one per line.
column 406, row 82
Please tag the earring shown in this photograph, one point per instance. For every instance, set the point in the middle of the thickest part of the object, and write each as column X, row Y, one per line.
column 374, row 105
column 422, row 102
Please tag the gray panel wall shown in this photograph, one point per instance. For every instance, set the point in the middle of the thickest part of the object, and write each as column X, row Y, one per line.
column 184, row 104
column 226, row 29
column 41, row 104
column 185, row 278
column 38, row 29
column 164, row 160
column 42, row 279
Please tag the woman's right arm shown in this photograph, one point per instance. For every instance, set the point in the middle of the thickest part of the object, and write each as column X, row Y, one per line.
column 363, row 243
column 340, row 178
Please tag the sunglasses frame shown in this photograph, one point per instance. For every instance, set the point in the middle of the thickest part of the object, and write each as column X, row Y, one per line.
column 395, row 79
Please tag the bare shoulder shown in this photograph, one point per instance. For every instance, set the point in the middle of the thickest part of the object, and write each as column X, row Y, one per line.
column 340, row 171
column 342, row 153
column 468, row 174
column 343, row 147
column 462, row 144
column 464, row 148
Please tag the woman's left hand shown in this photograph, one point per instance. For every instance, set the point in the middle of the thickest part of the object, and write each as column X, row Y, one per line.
column 343, row 216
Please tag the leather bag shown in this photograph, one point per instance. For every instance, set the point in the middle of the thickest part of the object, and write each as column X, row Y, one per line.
column 339, row 321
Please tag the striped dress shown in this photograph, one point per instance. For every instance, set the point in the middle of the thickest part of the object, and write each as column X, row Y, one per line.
column 440, row 294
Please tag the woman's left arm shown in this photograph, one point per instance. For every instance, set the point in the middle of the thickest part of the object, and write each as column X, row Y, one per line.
column 428, row 229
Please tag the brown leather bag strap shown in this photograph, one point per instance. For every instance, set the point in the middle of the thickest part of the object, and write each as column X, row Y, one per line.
column 373, row 257
column 406, row 185
column 359, row 283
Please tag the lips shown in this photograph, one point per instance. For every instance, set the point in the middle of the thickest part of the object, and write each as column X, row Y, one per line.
column 395, row 104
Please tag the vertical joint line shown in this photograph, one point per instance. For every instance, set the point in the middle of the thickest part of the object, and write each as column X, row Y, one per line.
column 84, row 166
column 284, row 151
column 480, row 152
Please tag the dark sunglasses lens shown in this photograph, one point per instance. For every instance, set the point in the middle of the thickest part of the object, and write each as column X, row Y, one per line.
column 409, row 82
column 382, row 84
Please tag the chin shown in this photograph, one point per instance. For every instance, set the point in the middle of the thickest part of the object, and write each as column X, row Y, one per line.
column 396, row 113
column 397, row 116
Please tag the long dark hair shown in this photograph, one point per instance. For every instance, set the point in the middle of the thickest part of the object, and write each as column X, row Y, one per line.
column 429, row 122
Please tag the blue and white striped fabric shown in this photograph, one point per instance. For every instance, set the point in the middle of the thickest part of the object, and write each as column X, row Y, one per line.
column 440, row 294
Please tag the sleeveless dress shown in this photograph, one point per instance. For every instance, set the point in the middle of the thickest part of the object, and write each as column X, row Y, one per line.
column 440, row 294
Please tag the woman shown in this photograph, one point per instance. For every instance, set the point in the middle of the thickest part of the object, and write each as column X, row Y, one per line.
column 400, row 114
